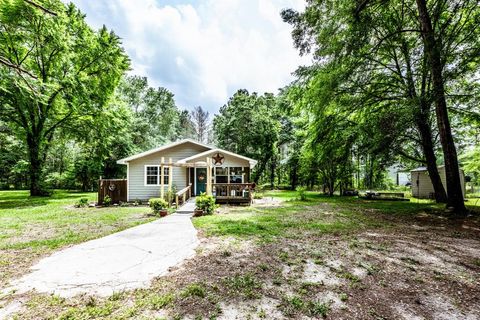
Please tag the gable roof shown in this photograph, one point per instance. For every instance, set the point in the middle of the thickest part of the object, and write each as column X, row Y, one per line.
column 161, row 148
column 232, row 154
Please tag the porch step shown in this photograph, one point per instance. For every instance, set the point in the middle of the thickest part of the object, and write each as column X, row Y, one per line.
column 188, row 207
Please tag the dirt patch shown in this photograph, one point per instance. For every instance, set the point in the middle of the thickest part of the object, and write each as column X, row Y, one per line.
column 267, row 202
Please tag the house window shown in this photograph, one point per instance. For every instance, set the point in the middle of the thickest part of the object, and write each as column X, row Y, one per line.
column 221, row 175
column 153, row 176
column 166, row 175
column 236, row 175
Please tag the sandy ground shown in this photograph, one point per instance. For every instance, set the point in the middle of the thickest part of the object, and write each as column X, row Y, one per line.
column 423, row 268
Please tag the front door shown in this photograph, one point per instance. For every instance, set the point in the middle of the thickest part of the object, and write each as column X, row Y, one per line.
column 201, row 181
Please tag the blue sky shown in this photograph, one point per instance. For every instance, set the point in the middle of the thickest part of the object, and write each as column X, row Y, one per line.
column 203, row 51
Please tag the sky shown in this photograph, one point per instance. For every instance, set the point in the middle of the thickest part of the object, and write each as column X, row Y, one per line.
column 203, row 51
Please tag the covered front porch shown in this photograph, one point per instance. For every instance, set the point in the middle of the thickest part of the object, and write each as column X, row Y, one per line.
column 224, row 175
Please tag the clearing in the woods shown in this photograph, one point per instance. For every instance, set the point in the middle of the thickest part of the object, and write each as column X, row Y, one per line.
column 333, row 257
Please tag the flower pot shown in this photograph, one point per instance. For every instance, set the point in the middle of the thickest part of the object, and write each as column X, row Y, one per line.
column 197, row 213
column 163, row 212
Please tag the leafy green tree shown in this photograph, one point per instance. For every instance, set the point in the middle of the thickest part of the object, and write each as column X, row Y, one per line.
column 381, row 57
column 186, row 127
column 155, row 115
column 248, row 124
column 12, row 160
column 68, row 71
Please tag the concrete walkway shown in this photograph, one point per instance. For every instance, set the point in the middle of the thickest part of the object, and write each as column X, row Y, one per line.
column 121, row 261
column 188, row 207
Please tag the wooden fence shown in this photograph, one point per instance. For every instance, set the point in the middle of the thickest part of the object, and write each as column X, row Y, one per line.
column 116, row 189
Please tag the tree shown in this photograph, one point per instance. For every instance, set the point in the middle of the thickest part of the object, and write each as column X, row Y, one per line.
column 380, row 59
column 155, row 114
column 248, row 124
column 201, row 124
column 70, row 72
column 432, row 43
column 186, row 127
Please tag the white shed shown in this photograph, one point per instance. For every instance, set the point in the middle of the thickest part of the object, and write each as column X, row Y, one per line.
column 422, row 187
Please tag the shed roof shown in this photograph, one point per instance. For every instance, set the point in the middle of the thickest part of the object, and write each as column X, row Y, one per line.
column 419, row 169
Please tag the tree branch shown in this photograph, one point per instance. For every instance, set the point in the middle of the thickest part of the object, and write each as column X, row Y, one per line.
column 36, row 5
column 10, row 65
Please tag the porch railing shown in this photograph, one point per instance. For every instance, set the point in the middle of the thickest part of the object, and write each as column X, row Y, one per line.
column 232, row 190
column 183, row 195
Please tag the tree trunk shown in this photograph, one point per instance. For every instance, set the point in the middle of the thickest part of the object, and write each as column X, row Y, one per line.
column 294, row 177
column 454, row 188
column 36, row 166
column 259, row 172
column 272, row 173
column 431, row 159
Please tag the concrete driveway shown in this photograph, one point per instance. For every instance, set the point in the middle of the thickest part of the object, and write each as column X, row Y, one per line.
column 121, row 261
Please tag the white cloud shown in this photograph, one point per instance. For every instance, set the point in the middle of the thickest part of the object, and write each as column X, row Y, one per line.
column 203, row 51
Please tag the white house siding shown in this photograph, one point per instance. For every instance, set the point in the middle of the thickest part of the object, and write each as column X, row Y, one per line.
column 136, row 170
column 230, row 161
column 424, row 188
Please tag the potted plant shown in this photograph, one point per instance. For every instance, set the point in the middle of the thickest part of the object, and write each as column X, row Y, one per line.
column 159, row 206
column 205, row 204
column 197, row 212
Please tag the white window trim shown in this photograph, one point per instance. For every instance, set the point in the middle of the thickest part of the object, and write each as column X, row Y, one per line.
column 128, row 180
column 159, row 177
column 222, row 175
column 243, row 175
column 228, row 174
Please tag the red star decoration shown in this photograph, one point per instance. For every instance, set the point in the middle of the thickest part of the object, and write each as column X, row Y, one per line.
column 218, row 159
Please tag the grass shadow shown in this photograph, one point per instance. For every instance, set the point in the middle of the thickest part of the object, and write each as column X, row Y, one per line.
column 22, row 199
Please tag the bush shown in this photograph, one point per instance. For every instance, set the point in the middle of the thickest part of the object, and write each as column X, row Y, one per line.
column 82, row 202
column 157, row 204
column 302, row 193
column 206, row 203
column 107, row 201
column 170, row 194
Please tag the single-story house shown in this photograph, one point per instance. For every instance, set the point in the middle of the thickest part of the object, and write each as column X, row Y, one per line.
column 191, row 167
column 422, row 187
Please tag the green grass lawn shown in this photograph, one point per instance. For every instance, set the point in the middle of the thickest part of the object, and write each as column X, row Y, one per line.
column 35, row 226
column 266, row 223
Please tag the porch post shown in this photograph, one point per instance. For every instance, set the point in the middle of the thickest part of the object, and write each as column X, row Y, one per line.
column 170, row 174
column 209, row 176
column 162, row 175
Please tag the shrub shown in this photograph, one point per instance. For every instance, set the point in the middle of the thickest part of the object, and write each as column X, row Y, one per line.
column 206, row 203
column 158, row 204
column 170, row 194
column 107, row 201
column 82, row 202
column 302, row 193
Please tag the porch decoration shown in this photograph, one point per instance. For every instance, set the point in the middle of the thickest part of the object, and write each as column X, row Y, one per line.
column 218, row 159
